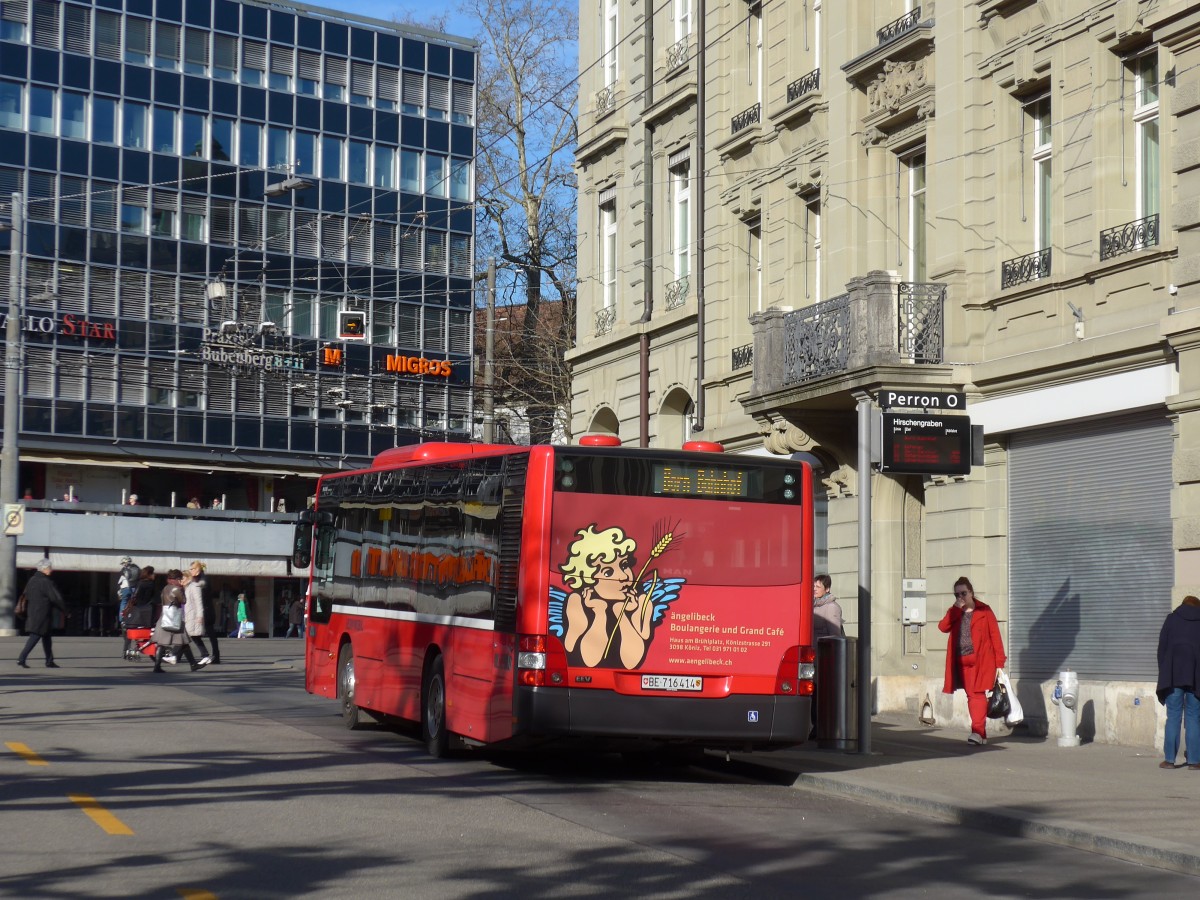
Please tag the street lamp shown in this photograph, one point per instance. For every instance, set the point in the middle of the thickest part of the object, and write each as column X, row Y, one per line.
column 9, row 458
column 291, row 183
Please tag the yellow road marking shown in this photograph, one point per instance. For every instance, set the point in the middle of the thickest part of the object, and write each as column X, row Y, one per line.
column 99, row 814
column 195, row 894
column 25, row 753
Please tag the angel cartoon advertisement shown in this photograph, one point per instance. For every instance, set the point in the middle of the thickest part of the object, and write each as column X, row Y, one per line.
column 608, row 615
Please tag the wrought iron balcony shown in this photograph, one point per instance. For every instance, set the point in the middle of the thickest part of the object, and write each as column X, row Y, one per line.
column 605, row 319
column 1126, row 238
column 606, row 100
column 1030, row 267
column 677, row 54
column 746, row 118
column 879, row 322
column 677, row 292
column 804, row 85
column 906, row 22
column 743, row 357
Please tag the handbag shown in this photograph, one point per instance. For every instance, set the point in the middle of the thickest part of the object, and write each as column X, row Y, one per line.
column 22, row 605
column 999, row 704
column 1016, row 715
column 172, row 619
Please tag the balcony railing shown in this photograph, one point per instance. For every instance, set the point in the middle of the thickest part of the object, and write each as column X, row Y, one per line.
column 606, row 100
column 1030, row 267
column 677, row 54
column 743, row 357
column 746, row 118
column 805, row 85
column 878, row 323
column 1126, row 238
column 677, row 292
column 906, row 22
column 605, row 319
column 920, row 310
column 816, row 340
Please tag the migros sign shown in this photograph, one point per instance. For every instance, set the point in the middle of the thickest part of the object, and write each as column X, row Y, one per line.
column 335, row 357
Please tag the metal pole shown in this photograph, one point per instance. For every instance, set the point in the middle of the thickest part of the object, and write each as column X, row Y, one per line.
column 489, row 358
column 863, row 673
column 9, row 460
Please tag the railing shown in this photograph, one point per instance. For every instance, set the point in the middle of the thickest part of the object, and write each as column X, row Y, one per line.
column 1126, row 238
column 605, row 319
column 1030, row 267
column 816, row 340
column 677, row 54
column 606, row 100
column 893, row 30
column 746, row 118
column 677, row 292
column 743, row 357
column 920, row 308
column 805, row 85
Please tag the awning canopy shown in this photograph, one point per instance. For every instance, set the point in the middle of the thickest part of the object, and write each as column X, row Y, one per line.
column 213, row 467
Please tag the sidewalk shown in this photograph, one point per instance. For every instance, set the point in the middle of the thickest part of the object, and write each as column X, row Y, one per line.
column 1105, row 798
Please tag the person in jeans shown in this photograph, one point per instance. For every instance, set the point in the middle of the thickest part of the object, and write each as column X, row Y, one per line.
column 43, row 601
column 974, row 653
column 1179, row 681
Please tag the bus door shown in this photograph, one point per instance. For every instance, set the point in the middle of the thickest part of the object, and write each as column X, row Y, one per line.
column 320, row 663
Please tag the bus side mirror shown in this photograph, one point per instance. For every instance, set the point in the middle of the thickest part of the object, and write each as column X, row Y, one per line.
column 302, row 541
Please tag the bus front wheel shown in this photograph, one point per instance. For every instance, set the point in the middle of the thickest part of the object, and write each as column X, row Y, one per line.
column 350, row 713
column 433, row 717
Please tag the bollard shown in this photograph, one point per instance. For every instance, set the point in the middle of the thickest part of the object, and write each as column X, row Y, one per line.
column 1066, row 698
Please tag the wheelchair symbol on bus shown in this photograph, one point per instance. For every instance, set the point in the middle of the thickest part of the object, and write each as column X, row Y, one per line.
column 752, row 715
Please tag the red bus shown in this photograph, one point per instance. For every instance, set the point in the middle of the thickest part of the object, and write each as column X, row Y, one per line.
column 514, row 596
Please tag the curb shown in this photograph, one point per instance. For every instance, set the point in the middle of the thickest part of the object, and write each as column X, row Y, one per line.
column 1145, row 851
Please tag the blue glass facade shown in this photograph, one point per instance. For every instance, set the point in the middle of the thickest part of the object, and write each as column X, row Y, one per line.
column 145, row 135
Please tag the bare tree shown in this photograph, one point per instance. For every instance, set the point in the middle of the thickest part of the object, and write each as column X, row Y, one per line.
column 525, row 211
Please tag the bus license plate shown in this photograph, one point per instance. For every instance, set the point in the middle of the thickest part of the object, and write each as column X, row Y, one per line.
column 672, row 683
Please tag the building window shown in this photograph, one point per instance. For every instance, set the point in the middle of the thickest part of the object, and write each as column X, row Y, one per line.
column 166, row 46
column 250, row 144
column 104, row 120
column 41, row 110
column 412, row 100
column 283, row 62
column 608, row 254
column 358, row 162
column 306, row 153
column 1041, row 157
column 608, row 61
column 410, row 171
column 683, row 19
column 194, row 127
column 681, row 217
column 137, row 40
column 165, row 124
column 911, row 172
column 195, row 52
column 162, row 217
column 435, row 175
column 224, row 57
column 812, row 248
column 1145, row 117
column 254, row 62
column 754, row 269
column 11, row 113
column 331, row 157
column 460, row 179
column 192, row 220
column 279, row 154
column 13, row 20
column 385, row 167
column 754, row 51
column 73, row 115
column 335, row 78
column 133, row 210
column 222, row 139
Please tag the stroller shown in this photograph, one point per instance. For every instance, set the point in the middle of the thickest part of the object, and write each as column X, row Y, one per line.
column 141, row 641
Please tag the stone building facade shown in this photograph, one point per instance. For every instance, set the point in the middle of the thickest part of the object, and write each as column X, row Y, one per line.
column 996, row 198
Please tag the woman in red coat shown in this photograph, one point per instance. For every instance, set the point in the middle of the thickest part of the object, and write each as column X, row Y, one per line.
column 974, row 653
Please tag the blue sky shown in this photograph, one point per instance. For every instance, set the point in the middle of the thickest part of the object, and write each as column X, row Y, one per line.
column 459, row 25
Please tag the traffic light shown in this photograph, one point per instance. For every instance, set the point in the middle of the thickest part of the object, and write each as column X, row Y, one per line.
column 352, row 325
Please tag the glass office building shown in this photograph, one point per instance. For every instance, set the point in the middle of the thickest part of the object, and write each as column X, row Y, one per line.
column 249, row 230
column 246, row 258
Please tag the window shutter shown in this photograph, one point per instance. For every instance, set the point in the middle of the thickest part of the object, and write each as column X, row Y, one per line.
column 464, row 102
column 108, row 35
column 15, row 11
column 103, row 284
column 335, row 71
column 39, row 372
column 132, row 385
column 195, row 47
column 133, row 294
column 162, row 298
column 72, row 204
column 254, row 56
column 460, row 331
column 414, row 89
column 166, row 41
column 310, row 65
column 250, row 220
column 385, row 244
column 333, row 237
column 220, row 390
column 137, row 36
column 361, row 81
column 283, row 60
column 460, row 255
column 45, row 24
column 439, row 93
column 307, row 243
column 360, row 241
column 225, row 52
column 388, row 83
column 192, row 302
column 72, row 289
column 78, row 34
column 221, row 224
column 102, row 379
column 410, row 249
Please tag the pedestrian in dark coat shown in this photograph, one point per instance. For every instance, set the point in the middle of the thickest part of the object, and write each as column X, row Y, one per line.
column 1179, row 682
column 164, row 637
column 139, row 611
column 43, row 601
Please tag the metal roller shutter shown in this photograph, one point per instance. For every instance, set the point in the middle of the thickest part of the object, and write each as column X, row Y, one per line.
column 1091, row 564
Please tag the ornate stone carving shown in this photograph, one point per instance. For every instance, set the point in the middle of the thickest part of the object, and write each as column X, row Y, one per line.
column 842, row 482
column 872, row 137
column 897, row 81
column 783, row 438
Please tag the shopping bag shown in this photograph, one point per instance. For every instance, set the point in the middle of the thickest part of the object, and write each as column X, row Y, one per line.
column 1016, row 715
column 999, row 704
column 172, row 619
column 246, row 629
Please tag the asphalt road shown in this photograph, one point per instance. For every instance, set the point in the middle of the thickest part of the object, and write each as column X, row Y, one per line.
column 233, row 783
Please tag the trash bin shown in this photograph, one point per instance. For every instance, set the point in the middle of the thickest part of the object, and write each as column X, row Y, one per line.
column 836, row 693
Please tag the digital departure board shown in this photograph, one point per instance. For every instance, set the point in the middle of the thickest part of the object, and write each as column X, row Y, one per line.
column 680, row 480
column 926, row 445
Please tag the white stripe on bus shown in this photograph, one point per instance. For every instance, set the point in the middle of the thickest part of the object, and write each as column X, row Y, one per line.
column 370, row 612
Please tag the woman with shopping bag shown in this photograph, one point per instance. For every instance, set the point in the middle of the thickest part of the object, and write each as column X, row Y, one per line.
column 974, row 654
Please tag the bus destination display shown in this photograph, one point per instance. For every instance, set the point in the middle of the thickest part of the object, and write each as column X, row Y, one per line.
column 699, row 481
column 926, row 445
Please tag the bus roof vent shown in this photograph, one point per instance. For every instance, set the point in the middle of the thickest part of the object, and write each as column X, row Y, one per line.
column 431, row 450
column 704, row 447
column 599, row 440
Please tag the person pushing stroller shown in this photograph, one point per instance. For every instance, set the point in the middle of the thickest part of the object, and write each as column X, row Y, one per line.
column 170, row 631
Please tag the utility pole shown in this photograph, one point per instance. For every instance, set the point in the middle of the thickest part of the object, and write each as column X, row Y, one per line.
column 9, row 460
column 489, row 359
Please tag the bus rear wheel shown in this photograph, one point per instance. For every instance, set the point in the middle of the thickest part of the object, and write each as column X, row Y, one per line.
column 350, row 711
column 433, row 715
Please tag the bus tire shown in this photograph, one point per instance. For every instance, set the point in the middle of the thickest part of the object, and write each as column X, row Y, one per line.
column 433, row 711
column 346, row 683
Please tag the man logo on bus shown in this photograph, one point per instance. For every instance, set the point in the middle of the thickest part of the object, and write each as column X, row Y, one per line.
column 609, row 617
